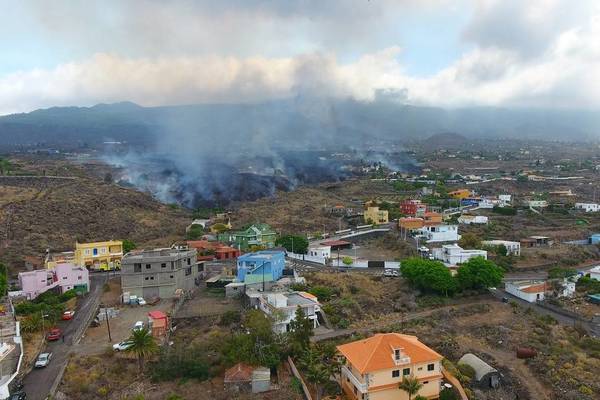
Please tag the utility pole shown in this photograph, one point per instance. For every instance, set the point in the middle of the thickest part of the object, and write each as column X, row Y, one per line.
column 107, row 324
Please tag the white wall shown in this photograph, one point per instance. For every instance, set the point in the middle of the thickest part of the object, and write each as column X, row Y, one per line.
column 515, row 291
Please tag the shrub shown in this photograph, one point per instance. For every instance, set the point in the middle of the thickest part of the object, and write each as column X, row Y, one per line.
column 230, row 317
column 505, row 210
column 323, row 293
column 448, row 394
column 467, row 370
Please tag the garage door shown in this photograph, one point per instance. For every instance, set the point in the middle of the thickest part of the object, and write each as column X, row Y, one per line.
column 151, row 292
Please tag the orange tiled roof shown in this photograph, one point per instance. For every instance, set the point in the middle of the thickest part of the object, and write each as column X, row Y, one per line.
column 240, row 372
column 376, row 352
column 540, row 287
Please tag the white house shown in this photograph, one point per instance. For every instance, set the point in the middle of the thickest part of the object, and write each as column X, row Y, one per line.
column 568, row 288
column 439, row 233
column 530, row 291
column 504, row 200
column 488, row 202
column 454, row 254
column 512, row 248
column 281, row 307
column 472, row 219
column 319, row 251
column 588, row 207
column 537, row 203
column 595, row 273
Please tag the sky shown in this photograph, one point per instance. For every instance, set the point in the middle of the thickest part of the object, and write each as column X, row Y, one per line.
column 462, row 53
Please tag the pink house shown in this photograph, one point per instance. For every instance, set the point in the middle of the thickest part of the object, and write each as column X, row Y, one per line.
column 64, row 276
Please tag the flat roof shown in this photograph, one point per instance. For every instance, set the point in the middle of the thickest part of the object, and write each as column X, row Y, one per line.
column 336, row 243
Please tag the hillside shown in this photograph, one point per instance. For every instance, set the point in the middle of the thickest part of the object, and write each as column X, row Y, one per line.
column 41, row 213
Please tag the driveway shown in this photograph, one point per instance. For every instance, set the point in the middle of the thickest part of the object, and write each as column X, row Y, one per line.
column 39, row 382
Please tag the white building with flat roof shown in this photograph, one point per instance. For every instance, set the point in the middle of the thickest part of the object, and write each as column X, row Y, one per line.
column 282, row 306
column 595, row 273
column 473, row 219
column 588, row 207
column 439, row 233
column 512, row 248
column 454, row 254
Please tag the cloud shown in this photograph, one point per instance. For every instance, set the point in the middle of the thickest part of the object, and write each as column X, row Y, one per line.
column 540, row 54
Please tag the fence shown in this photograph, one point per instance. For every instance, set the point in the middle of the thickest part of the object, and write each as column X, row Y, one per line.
column 299, row 377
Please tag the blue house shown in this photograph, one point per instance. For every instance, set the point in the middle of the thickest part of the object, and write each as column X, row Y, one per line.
column 260, row 266
column 594, row 239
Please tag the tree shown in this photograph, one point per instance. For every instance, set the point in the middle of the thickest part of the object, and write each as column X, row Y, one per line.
column 347, row 260
column 143, row 346
column 219, row 228
column 5, row 166
column 195, row 232
column 315, row 371
column 3, row 279
column 410, row 385
column 501, row 250
column 470, row 241
column 293, row 243
column 300, row 332
column 128, row 245
column 428, row 275
column 479, row 273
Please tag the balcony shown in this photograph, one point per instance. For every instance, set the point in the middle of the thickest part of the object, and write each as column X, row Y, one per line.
column 362, row 387
column 403, row 360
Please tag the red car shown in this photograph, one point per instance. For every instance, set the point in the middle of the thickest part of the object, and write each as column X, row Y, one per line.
column 67, row 315
column 53, row 334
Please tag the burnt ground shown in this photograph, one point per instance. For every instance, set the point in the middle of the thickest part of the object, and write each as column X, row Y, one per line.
column 39, row 214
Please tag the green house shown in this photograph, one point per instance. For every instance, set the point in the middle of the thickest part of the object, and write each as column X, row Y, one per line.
column 255, row 235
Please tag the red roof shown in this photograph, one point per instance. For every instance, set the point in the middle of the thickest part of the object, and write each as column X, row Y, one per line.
column 336, row 243
column 240, row 372
column 157, row 314
column 226, row 249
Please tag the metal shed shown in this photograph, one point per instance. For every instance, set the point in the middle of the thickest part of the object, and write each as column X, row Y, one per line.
column 485, row 375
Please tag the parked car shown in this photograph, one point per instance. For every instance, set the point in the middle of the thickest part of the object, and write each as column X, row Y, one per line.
column 122, row 346
column 67, row 315
column 139, row 325
column 141, row 301
column 18, row 396
column 53, row 334
column 391, row 272
column 43, row 360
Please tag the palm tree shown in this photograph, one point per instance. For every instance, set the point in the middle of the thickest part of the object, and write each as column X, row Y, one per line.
column 314, row 370
column 410, row 385
column 143, row 345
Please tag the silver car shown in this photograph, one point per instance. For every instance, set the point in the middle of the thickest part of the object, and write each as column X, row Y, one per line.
column 43, row 360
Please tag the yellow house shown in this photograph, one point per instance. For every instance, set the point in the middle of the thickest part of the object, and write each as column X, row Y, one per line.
column 375, row 367
column 99, row 255
column 375, row 216
column 460, row 194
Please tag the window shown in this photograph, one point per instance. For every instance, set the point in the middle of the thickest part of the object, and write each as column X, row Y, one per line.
column 64, row 278
column 148, row 266
column 171, row 276
column 151, row 278
column 425, row 383
column 420, row 368
column 188, row 271
column 199, row 267
column 146, row 278
column 79, row 278
column 430, row 367
column 137, row 267
column 163, row 265
column 396, row 354
column 172, row 265
column 189, row 261
column 395, row 373
column 406, row 371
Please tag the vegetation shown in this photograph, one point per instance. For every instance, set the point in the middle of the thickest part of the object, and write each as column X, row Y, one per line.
column 588, row 285
column 179, row 362
column 428, row 275
column 505, row 210
column 319, row 363
column 5, row 166
column 479, row 273
column 128, row 245
column 143, row 346
column 470, row 241
column 293, row 243
column 3, row 279
column 300, row 332
column 560, row 273
column 410, row 385
column 44, row 310
column 347, row 260
column 195, row 232
column 206, row 212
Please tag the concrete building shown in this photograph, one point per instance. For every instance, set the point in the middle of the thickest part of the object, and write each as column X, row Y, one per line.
column 530, row 291
column 262, row 266
column 536, row 241
column 373, row 215
column 537, row 203
column 159, row 272
column 413, row 208
column 99, row 255
column 512, row 248
column 282, row 306
column 454, row 254
column 595, row 273
column 473, row 219
column 375, row 367
column 439, row 233
column 588, row 207
column 62, row 278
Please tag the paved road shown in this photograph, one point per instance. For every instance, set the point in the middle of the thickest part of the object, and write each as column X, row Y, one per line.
column 39, row 381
